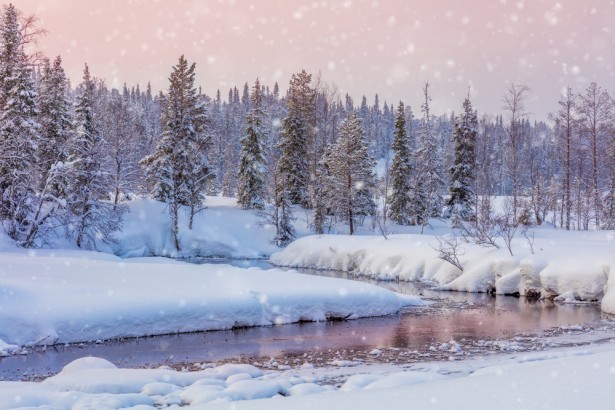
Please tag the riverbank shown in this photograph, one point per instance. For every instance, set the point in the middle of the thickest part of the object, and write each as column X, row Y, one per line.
column 566, row 266
column 49, row 297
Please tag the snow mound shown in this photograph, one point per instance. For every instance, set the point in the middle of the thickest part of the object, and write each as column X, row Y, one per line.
column 222, row 230
column 123, row 298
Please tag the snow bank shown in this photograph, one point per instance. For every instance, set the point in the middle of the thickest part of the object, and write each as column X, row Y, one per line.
column 608, row 301
column 221, row 230
column 71, row 296
column 563, row 262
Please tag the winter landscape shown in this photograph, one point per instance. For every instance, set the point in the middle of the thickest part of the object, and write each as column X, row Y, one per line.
column 335, row 204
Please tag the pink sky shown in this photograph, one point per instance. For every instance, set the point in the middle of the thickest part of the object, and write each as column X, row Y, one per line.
column 364, row 47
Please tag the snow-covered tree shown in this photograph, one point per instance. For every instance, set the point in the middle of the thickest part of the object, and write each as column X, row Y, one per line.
column 462, row 201
column 123, row 143
column 351, row 179
column 251, row 189
column 297, row 149
column 19, row 130
column 429, row 183
column 293, row 157
column 92, row 217
column 52, row 153
column 594, row 115
column 400, row 173
column 566, row 123
column 178, row 168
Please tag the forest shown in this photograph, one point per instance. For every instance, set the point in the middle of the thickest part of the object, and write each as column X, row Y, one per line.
column 71, row 156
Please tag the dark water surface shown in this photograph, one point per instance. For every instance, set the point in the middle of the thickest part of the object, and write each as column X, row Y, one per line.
column 452, row 315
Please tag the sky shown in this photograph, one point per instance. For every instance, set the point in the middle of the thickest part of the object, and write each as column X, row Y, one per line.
column 363, row 47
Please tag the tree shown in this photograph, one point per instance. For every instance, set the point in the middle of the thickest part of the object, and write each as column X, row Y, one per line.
column 351, row 180
column 293, row 158
column 514, row 105
column 566, row 121
column 52, row 153
column 462, row 201
column 285, row 232
column 92, row 217
column 251, row 190
column 122, row 143
column 401, row 168
column 178, row 167
column 19, row 130
column 594, row 115
column 429, row 183
column 297, row 148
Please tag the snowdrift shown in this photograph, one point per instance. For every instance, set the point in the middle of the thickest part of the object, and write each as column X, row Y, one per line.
column 222, row 230
column 72, row 296
column 570, row 266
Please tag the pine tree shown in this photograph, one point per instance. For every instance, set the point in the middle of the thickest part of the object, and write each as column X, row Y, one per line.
column 92, row 216
column 251, row 190
column 462, row 201
column 401, row 168
column 52, row 153
column 178, row 167
column 19, row 131
column 351, row 181
column 297, row 150
column 293, row 158
column 429, row 183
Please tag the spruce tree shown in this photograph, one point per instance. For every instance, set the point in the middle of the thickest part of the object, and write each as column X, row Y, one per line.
column 351, row 180
column 92, row 216
column 251, row 190
column 401, row 168
column 429, row 183
column 297, row 150
column 178, row 168
column 293, row 157
column 19, row 130
column 52, row 153
column 462, row 201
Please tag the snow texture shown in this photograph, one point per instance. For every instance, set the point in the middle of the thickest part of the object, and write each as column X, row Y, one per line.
column 52, row 297
column 570, row 379
column 556, row 267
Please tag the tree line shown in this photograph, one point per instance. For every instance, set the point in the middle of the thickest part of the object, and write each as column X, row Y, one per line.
column 71, row 157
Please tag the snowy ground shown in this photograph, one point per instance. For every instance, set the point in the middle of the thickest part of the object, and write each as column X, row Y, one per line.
column 49, row 297
column 571, row 378
column 569, row 265
column 222, row 230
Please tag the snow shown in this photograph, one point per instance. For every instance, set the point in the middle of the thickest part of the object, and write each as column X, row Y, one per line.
column 570, row 378
column 575, row 265
column 222, row 230
column 55, row 296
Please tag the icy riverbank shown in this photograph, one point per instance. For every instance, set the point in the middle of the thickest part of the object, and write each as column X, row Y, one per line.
column 566, row 265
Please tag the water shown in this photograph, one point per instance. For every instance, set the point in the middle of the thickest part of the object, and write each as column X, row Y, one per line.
column 451, row 316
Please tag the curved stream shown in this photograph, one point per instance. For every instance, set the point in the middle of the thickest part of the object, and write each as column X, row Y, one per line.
column 452, row 315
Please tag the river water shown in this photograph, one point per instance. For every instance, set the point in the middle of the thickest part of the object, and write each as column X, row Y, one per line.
column 451, row 315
